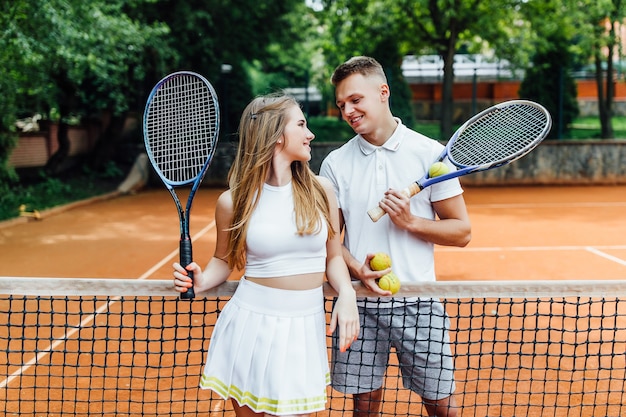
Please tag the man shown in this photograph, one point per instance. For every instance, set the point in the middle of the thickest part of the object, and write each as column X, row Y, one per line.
column 382, row 159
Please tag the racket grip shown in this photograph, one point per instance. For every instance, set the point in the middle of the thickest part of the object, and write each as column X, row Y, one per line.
column 376, row 213
column 185, row 259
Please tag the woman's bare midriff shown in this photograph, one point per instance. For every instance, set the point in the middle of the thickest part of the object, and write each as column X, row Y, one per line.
column 291, row 282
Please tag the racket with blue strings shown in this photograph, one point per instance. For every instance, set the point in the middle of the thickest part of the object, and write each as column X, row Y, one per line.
column 494, row 137
column 181, row 128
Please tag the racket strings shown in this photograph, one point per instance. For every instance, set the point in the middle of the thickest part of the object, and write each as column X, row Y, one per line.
column 500, row 135
column 181, row 125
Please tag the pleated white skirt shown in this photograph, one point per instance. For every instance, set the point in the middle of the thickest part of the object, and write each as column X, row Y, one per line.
column 268, row 350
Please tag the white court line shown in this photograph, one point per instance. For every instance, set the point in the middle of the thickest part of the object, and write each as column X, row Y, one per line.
column 550, row 205
column 606, row 255
column 528, row 248
column 596, row 250
column 60, row 340
column 173, row 253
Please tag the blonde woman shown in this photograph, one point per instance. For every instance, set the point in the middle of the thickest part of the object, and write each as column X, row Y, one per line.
column 279, row 223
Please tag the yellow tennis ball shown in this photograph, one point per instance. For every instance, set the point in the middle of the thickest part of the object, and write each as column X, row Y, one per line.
column 389, row 282
column 437, row 169
column 380, row 261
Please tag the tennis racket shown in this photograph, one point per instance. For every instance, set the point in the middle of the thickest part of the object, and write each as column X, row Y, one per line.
column 494, row 137
column 180, row 129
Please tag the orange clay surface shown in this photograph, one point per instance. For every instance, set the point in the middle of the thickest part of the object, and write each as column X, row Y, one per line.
column 518, row 233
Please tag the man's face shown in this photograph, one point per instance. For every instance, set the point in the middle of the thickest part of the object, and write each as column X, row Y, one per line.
column 362, row 101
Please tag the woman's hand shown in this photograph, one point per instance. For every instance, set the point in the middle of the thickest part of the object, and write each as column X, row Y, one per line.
column 345, row 315
column 182, row 281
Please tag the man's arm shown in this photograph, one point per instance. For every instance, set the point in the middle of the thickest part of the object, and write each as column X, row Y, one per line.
column 452, row 228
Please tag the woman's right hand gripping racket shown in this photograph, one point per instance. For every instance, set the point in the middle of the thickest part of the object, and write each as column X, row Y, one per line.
column 494, row 137
column 181, row 128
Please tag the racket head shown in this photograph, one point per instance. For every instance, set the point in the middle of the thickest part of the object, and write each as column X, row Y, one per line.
column 499, row 135
column 181, row 127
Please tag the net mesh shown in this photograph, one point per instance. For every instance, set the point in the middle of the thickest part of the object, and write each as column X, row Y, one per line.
column 181, row 127
column 505, row 133
column 133, row 348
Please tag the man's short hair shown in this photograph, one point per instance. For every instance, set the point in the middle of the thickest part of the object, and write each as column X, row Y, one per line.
column 363, row 65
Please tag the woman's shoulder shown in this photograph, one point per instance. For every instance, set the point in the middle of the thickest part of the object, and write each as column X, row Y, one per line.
column 326, row 184
column 225, row 201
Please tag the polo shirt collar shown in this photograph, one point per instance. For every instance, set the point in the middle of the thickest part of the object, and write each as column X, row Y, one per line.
column 392, row 144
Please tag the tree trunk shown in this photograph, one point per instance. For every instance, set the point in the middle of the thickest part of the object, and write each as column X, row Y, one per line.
column 606, row 123
column 66, row 100
column 56, row 161
column 447, row 101
column 108, row 142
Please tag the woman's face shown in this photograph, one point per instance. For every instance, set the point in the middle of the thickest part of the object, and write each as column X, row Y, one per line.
column 296, row 137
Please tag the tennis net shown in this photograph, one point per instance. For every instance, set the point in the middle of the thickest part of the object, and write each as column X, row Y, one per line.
column 95, row 347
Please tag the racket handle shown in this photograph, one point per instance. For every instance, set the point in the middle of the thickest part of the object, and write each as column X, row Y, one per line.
column 185, row 259
column 376, row 213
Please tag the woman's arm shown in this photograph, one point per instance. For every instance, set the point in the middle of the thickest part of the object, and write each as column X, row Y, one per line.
column 345, row 314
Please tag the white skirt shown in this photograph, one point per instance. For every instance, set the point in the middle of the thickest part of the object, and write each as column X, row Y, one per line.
column 268, row 350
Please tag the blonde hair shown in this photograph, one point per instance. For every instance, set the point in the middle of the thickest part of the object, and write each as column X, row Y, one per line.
column 262, row 124
column 364, row 65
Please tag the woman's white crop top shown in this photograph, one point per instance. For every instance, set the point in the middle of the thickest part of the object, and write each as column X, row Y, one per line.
column 273, row 245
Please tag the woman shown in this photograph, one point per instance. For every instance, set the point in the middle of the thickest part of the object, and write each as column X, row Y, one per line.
column 280, row 222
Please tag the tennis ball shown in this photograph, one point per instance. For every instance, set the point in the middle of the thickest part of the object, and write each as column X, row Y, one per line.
column 389, row 282
column 437, row 169
column 380, row 261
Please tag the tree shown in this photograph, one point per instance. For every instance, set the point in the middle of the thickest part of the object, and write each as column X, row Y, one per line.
column 207, row 34
column 78, row 58
column 586, row 31
column 9, row 53
column 555, row 53
column 419, row 26
column 603, row 17
column 444, row 25
column 361, row 27
column 549, row 82
column 97, row 58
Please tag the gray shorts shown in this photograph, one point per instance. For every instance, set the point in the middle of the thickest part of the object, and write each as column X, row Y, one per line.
column 419, row 334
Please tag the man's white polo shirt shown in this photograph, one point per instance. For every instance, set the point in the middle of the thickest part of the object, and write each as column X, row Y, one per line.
column 362, row 172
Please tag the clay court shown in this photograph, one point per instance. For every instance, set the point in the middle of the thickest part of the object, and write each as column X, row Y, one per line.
column 521, row 234
column 518, row 233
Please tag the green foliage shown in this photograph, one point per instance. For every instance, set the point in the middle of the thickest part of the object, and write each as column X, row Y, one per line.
column 62, row 58
column 88, row 54
column 243, row 34
column 403, row 27
column 8, row 136
column 46, row 192
column 387, row 53
column 373, row 29
column 550, row 83
column 8, row 88
column 589, row 127
column 330, row 129
column 88, row 58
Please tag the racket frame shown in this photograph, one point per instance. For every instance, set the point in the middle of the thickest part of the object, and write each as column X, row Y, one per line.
column 426, row 181
column 185, row 245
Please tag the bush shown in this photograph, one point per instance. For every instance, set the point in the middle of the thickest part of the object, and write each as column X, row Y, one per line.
column 330, row 129
column 8, row 136
column 549, row 81
column 46, row 192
